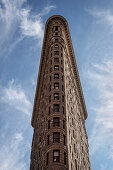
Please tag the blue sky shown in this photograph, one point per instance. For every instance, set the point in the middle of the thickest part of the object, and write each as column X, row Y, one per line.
column 21, row 33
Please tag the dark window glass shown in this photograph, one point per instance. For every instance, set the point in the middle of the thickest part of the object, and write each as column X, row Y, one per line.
column 47, row 158
column 61, row 69
column 56, row 28
column 56, row 60
column 56, row 52
column 61, row 48
column 64, row 140
column 56, row 67
column 48, row 124
column 64, row 124
column 49, row 110
column 56, row 137
column 64, row 158
column 56, row 76
column 50, row 88
column 51, row 62
column 62, row 88
column 51, row 54
column 62, row 78
column 50, row 69
column 56, row 39
column 56, row 85
column 61, row 61
column 62, row 98
column 56, row 156
column 56, row 33
column 50, row 78
column 56, row 96
column 56, row 107
column 49, row 98
column 48, row 137
column 56, row 121
column 63, row 110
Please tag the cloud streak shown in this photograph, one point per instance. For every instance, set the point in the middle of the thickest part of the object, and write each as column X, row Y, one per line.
column 14, row 96
column 101, row 78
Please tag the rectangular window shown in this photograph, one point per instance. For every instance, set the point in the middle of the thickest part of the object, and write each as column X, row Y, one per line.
column 56, row 156
column 50, row 78
column 61, row 69
column 56, row 67
column 47, row 158
column 63, row 124
column 64, row 139
column 50, row 69
column 56, row 39
column 62, row 78
column 56, row 96
column 48, row 137
column 56, row 137
column 56, row 46
column 56, row 60
column 56, row 28
column 62, row 88
column 56, row 76
column 49, row 111
column 50, row 88
column 56, row 52
column 64, row 158
column 63, row 110
column 56, row 108
column 56, row 85
column 56, row 121
column 48, row 124
column 49, row 98
column 62, row 98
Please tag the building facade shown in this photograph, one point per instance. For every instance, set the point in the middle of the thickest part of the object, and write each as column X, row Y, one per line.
column 60, row 140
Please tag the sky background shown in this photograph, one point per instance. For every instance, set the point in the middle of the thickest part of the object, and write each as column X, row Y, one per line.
column 22, row 25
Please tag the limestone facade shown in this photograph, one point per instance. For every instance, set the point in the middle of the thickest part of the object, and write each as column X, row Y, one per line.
column 60, row 140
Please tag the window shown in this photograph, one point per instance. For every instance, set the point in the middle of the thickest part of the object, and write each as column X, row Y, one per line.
column 61, row 69
column 62, row 98
column 56, row 39
column 56, row 67
column 51, row 54
column 56, row 85
column 48, row 124
column 62, row 78
column 63, row 110
column 56, row 137
column 63, row 124
column 51, row 62
column 50, row 88
column 50, row 78
column 56, row 46
column 49, row 98
column 48, row 137
column 47, row 158
column 56, row 60
column 56, row 156
column 61, row 61
column 56, row 96
column 61, row 55
column 56, row 107
column 64, row 158
column 64, row 139
column 56, row 76
column 56, row 52
column 76, row 163
column 49, row 111
column 56, row 121
column 50, row 69
column 62, row 88
column 61, row 48
column 56, row 28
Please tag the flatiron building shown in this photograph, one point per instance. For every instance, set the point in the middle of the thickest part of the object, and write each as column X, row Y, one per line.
column 60, row 140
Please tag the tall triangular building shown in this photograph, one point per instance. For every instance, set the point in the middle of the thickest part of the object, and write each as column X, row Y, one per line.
column 60, row 140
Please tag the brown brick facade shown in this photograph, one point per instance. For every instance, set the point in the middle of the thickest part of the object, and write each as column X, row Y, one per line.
column 60, row 140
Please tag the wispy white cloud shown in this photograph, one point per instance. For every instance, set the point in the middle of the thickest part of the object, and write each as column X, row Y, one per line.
column 11, row 154
column 101, row 78
column 14, row 16
column 105, row 16
column 14, row 95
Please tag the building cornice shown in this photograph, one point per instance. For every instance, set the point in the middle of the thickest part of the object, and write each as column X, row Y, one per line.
column 43, row 57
